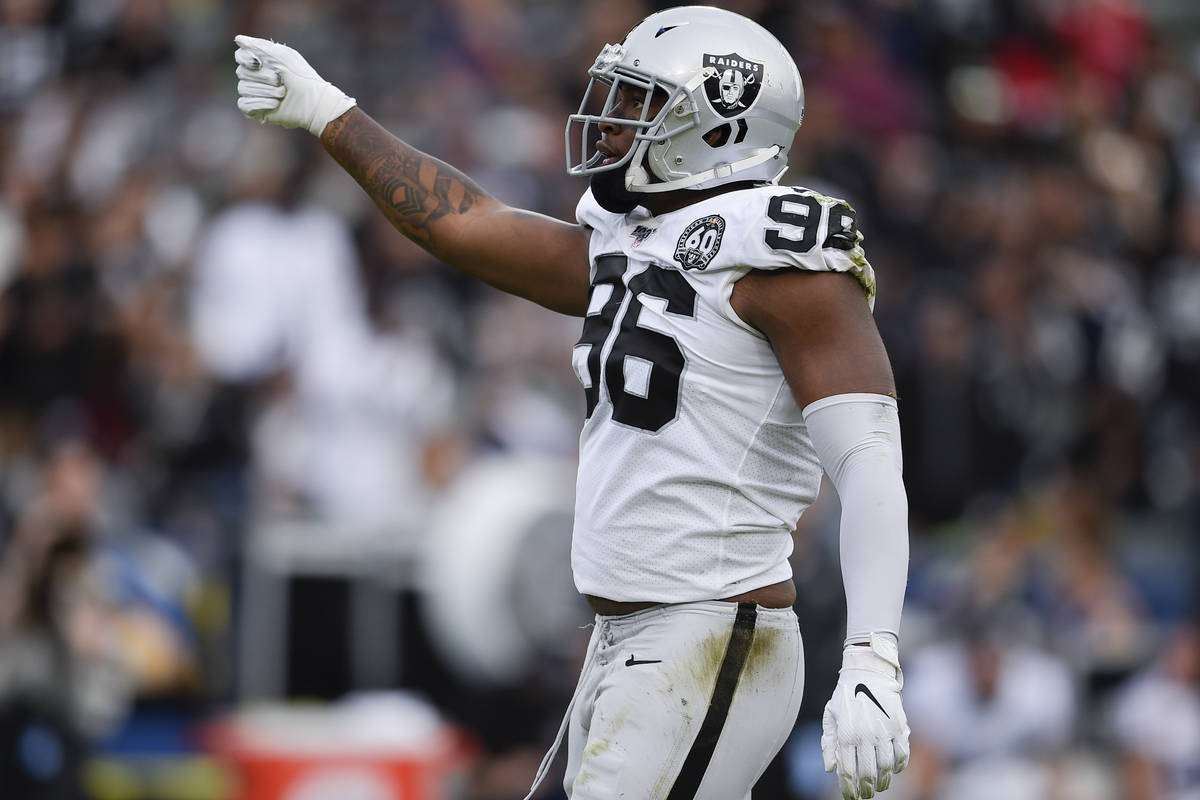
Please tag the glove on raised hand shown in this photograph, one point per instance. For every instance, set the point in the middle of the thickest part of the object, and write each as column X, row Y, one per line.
column 276, row 85
column 864, row 734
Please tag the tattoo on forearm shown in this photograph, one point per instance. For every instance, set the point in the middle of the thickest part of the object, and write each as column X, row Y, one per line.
column 412, row 189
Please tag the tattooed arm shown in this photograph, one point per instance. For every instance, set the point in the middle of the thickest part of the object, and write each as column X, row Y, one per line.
column 444, row 211
column 430, row 202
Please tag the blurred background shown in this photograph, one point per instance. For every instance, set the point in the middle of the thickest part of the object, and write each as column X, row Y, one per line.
column 278, row 490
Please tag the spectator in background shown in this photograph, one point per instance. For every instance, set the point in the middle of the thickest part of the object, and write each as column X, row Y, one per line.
column 61, row 677
column 349, row 409
column 1157, row 723
column 90, row 617
column 990, row 716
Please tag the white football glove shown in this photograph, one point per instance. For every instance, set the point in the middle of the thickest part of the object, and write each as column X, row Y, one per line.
column 864, row 729
column 276, row 85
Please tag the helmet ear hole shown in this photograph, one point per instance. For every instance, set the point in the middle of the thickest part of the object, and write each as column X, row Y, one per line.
column 718, row 136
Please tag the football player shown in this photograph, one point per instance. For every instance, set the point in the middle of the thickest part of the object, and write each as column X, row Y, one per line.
column 728, row 357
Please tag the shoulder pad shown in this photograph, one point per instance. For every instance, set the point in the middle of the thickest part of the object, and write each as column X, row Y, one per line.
column 808, row 230
column 589, row 213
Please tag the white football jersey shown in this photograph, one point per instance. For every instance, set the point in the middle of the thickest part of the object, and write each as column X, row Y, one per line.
column 695, row 463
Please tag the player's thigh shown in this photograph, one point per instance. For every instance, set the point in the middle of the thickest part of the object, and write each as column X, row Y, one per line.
column 688, row 706
column 763, row 710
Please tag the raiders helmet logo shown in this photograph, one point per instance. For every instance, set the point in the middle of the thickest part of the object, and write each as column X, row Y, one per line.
column 734, row 86
column 700, row 242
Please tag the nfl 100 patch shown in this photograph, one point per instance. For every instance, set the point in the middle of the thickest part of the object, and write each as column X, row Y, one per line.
column 700, row 242
column 734, row 84
column 641, row 233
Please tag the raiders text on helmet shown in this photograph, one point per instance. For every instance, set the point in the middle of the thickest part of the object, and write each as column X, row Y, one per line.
column 721, row 73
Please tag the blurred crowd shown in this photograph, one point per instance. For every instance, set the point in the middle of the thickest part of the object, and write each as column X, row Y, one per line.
column 204, row 325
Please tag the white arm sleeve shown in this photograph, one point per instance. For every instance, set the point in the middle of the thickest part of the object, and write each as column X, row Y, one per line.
column 857, row 437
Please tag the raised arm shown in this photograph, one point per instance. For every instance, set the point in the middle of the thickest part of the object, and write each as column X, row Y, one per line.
column 524, row 253
column 521, row 252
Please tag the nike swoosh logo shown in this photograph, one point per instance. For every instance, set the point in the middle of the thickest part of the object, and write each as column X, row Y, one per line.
column 633, row 662
column 862, row 688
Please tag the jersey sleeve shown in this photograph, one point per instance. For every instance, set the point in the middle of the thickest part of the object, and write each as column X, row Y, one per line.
column 802, row 229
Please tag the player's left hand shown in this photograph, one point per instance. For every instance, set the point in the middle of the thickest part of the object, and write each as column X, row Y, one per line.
column 865, row 731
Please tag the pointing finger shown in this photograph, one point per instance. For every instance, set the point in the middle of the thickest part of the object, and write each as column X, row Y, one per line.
column 264, row 49
column 252, row 42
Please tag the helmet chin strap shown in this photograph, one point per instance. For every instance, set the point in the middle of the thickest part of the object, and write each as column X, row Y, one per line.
column 637, row 179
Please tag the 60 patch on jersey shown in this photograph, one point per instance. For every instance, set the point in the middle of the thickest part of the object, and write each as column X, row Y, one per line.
column 700, row 242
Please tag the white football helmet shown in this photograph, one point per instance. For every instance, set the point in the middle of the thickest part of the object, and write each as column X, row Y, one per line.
column 719, row 70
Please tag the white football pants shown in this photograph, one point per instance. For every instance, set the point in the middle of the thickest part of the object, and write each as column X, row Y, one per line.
column 684, row 701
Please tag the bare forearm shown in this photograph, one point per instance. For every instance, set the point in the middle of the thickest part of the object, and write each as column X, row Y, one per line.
column 527, row 254
column 415, row 191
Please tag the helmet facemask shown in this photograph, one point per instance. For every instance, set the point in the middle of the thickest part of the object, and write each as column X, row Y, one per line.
column 609, row 76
